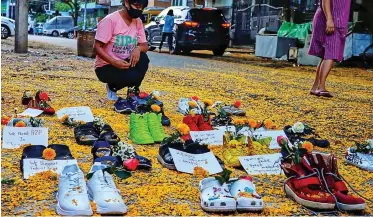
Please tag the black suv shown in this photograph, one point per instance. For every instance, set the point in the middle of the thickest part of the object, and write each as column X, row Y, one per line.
column 195, row 29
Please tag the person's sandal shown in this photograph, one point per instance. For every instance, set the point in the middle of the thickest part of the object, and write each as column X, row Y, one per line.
column 324, row 94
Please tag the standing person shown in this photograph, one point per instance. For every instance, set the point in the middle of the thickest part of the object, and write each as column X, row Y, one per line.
column 121, row 47
column 168, row 30
column 329, row 30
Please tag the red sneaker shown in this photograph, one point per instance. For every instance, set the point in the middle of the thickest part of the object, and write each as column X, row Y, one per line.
column 40, row 103
column 191, row 122
column 202, row 124
column 326, row 164
column 304, row 186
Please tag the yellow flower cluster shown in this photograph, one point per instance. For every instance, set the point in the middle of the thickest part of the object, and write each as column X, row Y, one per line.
column 183, row 129
column 200, row 172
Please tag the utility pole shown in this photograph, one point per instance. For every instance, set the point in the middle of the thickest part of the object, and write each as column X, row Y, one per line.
column 85, row 16
column 21, row 38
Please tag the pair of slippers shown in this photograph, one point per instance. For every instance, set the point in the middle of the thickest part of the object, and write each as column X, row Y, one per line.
column 87, row 134
column 102, row 152
column 238, row 195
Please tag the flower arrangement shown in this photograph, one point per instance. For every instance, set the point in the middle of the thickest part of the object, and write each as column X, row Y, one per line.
column 70, row 122
column 207, row 105
column 300, row 128
column 180, row 135
column 35, row 122
column 98, row 123
column 222, row 118
column 124, row 151
column 49, row 154
column 294, row 153
column 5, row 120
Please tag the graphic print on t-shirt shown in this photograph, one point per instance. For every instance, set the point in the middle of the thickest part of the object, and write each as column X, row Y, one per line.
column 124, row 44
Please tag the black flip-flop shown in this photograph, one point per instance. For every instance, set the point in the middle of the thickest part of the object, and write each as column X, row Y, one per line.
column 324, row 94
column 314, row 93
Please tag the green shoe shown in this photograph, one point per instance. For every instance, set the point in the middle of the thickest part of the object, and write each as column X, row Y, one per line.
column 139, row 130
column 155, row 127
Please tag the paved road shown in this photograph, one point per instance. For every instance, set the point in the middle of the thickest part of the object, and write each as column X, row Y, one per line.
column 196, row 61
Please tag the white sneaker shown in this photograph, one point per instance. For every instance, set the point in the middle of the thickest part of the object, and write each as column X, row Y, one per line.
column 111, row 95
column 72, row 197
column 362, row 160
column 102, row 190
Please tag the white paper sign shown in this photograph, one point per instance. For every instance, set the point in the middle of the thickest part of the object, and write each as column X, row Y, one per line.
column 14, row 137
column 260, row 164
column 273, row 134
column 209, row 137
column 186, row 162
column 31, row 112
column 226, row 128
column 33, row 166
column 81, row 113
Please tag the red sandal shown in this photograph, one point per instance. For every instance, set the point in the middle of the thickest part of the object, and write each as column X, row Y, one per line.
column 40, row 103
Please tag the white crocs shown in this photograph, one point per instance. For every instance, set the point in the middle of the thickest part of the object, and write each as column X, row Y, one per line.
column 247, row 198
column 215, row 197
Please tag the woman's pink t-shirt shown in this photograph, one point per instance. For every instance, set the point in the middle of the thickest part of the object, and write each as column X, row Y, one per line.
column 119, row 38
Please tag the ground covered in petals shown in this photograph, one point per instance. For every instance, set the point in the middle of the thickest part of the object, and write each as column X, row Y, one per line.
column 278, row 93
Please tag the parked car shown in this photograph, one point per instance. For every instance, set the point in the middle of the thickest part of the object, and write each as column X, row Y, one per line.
column 195, row 29
column 7, row 27
column 150, row 13
column 38, row 30
column 70, row 32
column 58, row 25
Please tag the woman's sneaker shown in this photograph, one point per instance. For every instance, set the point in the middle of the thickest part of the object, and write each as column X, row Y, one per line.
column 361, row 156
column 72, row 197
column 123, row 106
column 102, row 190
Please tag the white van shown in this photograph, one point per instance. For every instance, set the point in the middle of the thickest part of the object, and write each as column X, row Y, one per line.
column 58, row 25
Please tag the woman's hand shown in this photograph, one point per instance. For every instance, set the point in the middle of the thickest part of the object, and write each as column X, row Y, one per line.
column 135, row 56
column 329, row 26
column 121, row 64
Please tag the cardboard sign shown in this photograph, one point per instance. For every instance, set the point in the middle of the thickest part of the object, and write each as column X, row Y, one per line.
column 186, row 162
column 33, row 166
column 81, row 113
column 14, row 137
column 260, row 164
column 30, row 112
column 273, row 134
column 209, row 137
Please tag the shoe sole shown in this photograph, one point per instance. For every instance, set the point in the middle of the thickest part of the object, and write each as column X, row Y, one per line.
column 307, row 203
column 164, row 164
column 60, row 211
column 357, row 165
column 350, row 207
column 218, row 209
column 111, row 210
column 251, row 209
column 124, row 111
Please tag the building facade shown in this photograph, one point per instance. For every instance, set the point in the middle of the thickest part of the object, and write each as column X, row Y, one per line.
column 8, row 8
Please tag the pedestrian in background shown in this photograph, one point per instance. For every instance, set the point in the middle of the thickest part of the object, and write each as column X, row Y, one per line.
column 329, row 30
column 168, row 30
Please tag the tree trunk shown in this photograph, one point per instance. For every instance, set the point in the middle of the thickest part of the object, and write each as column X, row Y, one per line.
column 21, row 38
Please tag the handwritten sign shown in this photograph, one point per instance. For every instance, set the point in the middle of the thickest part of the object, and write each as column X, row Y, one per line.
column 186, row 162
column 30, row 112
column 209, row 137
column 14, row 137
column 33, row 166
column 81, row 113
column 260, row 164
column 273, row 134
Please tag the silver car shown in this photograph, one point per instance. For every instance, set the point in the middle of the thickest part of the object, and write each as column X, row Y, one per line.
column 7, row 27
column 58, row 25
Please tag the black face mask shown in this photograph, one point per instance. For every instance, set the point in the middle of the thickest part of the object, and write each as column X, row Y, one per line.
column 133, row 13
